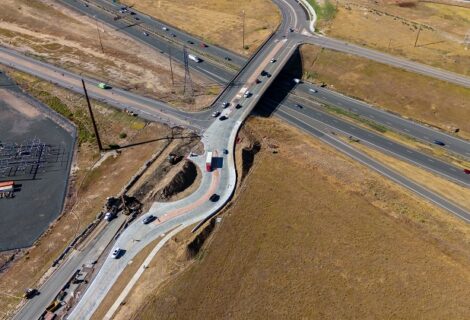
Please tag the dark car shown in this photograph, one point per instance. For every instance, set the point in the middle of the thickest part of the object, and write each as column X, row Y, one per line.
column 258, row 81
column 190, row 42
column 30, row 293
column 299, row 106
column 228, row 59
column 467, row 171
column 214, row 198
column 225, row 151
column 439, row 143
column 148, row 219
column 222, row 118
column 238, row 106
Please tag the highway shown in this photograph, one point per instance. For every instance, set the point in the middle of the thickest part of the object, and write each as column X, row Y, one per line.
column 216, row 67
column 308, row 111
column 218, row 136
column 410, row 128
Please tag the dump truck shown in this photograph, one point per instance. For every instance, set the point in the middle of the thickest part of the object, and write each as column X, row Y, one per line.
column 209, row 161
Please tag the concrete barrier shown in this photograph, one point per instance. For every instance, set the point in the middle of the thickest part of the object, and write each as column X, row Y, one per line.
column 311, row 12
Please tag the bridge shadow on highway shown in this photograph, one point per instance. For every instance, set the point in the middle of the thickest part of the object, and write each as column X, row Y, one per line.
column 281, row 86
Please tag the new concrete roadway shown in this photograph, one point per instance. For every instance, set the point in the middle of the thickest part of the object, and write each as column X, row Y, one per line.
column 218, row 138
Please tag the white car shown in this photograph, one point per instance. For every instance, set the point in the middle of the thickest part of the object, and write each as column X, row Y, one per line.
column 215, row 114
column 145, row 34
column 165, row 28
column 225, row 104
column 247, row 94
column 116, row 253
column 273, row 60
column 312, row 90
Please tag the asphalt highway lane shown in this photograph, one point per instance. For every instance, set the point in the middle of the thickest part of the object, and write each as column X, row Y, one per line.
column 376, row 140
column 410, row 128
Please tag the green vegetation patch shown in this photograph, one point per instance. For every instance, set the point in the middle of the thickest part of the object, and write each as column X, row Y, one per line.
column 325, row 12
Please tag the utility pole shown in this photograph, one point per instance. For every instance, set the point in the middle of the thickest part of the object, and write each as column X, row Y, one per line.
column 98, row 140
column 171, row 67
column 417, row 36
column 188, row 83
column 99, row 36
column 243, row 29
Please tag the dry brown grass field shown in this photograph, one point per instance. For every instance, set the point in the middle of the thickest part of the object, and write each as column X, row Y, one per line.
column 437, row 103
column 393, row 26
column 314, row 235
column 217, row 21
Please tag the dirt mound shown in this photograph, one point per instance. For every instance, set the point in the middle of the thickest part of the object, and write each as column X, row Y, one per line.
column 180, row 182
column 195, row 246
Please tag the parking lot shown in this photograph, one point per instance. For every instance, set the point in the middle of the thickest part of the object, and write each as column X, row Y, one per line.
column 36, row 148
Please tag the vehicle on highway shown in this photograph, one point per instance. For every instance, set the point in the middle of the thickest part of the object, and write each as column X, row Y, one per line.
column 228, row 59
column 148, row 219
column 273, row 60
column 136, row 18
column 203, row 45
column 216, row 114
column 116, row 253
column 299, row 106
column 257, row 80
column 247, row 94
column 439, row 143
column 225, row 151
column 194, row 58
column 353, row 139
column 238, row 106
column 312, row 90
column 297, row 80
column 103, row 85
column 222, row 118
column 145, row 34
column 173, row 35
column 30, row 293
column 214, row 198
column 225, row 104
column 264, row 73
column 466, row 171
column 165, row 28
column 190, row 42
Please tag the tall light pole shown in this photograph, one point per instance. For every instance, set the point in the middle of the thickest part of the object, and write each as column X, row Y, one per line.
column 243, row 29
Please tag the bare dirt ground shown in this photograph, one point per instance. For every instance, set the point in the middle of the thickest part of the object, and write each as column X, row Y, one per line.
column 393, row 26
column 70, row 40
column 217, row 21
column 437, row 103
column 91, row 183
column 316, row 235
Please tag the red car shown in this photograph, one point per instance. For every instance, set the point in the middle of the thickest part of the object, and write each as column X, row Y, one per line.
column 203, row 45
column 467, row 171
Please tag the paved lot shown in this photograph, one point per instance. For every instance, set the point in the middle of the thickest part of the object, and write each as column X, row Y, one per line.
column 40, row 188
